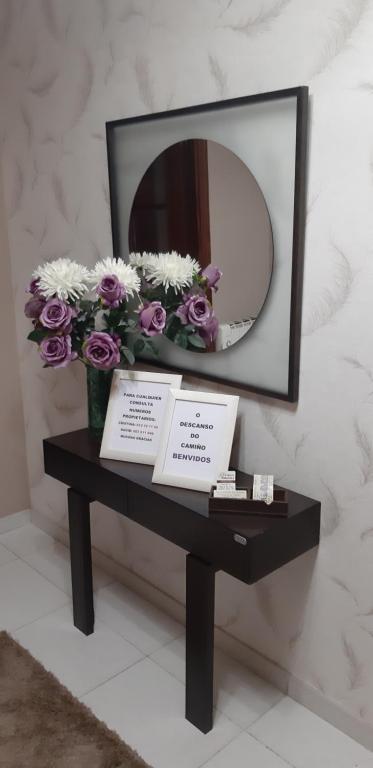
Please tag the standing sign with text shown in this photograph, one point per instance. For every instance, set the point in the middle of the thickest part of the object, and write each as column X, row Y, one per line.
column 134, row 417
column 196, row 439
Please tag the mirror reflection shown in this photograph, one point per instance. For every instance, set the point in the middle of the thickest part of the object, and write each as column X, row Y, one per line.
column 199, row 199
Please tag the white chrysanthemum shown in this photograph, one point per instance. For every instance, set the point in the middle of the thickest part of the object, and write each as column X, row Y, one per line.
column 140, row 260
column 171, row 270
column 125, row 273
column 63, row 278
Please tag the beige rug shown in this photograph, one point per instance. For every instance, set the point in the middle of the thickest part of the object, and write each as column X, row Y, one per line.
column 43, row 726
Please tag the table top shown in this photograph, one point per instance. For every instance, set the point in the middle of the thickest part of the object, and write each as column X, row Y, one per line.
column 74, row 459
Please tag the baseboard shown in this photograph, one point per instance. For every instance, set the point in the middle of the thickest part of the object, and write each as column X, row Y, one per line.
column 302, row 692
column 330, row 710
column 263, row 667
column 15, row 520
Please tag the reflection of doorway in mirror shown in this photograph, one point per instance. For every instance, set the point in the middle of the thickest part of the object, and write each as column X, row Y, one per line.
column 170, row 211
column 198, row 197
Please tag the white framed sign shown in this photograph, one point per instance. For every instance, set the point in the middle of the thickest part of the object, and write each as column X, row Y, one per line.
column 196, row 439
column 135, row 413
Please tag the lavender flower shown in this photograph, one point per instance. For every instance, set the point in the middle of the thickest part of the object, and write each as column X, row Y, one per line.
column 57, row 315
column 152, row 318
column 101, row 350
column 212, row 276
column 34, row 307
column 34, row 286
column 196, row 310
column 111, row 291
column 209, row 332
column 56, row 351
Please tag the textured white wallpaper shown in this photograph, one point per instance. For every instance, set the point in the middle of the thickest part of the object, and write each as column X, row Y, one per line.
column 65, row 68
column 13, row 466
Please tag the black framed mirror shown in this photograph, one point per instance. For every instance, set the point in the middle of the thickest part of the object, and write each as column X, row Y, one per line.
column 225, row 183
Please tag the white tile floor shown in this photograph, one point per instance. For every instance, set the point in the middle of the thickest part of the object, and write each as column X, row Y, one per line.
column 130, row 672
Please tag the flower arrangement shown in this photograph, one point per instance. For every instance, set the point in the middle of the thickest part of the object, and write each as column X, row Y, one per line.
column 174, row 295
column 108, row 315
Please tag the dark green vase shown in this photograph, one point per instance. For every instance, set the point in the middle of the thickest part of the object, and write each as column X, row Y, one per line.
column 98, row 390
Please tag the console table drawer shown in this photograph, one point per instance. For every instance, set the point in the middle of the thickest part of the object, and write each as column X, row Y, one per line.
column 76, row 471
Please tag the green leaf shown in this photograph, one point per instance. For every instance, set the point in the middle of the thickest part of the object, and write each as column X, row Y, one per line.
column 37, row 335
column 84, row 305
column 181, row 339
column 139, row 346
column 196, row 341
column 173, row 327
column 151, row 347
column 130, row 357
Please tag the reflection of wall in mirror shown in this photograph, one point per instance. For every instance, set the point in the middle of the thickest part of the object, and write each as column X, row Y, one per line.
column 241, row 237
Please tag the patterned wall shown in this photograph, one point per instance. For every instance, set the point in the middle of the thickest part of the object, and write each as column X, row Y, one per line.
column 66, row 67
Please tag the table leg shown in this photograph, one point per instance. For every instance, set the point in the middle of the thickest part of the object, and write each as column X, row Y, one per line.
column 81, row 561
column 200, row 604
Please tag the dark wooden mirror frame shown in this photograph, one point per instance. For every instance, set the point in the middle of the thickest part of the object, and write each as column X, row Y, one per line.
column 301, row 95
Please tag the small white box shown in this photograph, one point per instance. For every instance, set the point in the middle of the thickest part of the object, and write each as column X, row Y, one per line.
column 240, row 494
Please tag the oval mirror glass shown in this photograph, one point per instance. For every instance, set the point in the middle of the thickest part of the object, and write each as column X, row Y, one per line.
column 198, row 198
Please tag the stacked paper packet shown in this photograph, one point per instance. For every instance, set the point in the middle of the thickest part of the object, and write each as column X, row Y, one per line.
column 226, row 487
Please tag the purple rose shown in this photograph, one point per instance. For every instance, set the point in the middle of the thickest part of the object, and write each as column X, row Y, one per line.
column 111, row 291
column 101, row 350
column 57, row 315
column 195, row 310
column 33, row 287
column 56, row 351
column 212, row 275
column 152, row 318
column 34, row 307
column 210, row 331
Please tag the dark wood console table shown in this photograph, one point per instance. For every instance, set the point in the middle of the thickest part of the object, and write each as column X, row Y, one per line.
column 245, row 547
